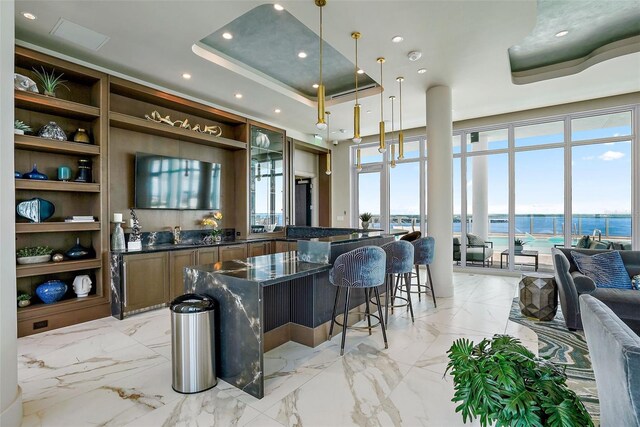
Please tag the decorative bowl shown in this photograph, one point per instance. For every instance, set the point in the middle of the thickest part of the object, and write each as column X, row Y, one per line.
column 51, row 291
column 270, row 227
column 33, row 259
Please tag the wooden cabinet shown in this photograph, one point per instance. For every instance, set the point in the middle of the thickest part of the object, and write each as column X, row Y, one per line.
column 146, row 280
column 231, row 252
column 259, row 248
column 280, row 246
column 208, row 256
column 178, row 260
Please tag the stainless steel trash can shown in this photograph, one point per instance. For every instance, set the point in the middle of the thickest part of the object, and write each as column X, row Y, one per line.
column 192, row 343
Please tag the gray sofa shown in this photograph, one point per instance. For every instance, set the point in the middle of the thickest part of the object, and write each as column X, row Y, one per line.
column 571, row 284
column 615, row 354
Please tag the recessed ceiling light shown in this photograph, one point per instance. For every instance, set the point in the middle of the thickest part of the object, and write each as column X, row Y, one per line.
column 562, row 33
column 186, row 76
column 316, row 85
column 278, row 7
column 277, row 111
column 360, row 71
column 397, row 39
column 227, row 36
column 422, row 70
column 29, row 16
column 302, row 55
column 238, row 95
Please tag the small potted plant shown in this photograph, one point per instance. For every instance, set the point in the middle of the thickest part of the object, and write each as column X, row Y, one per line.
column 49, row 81
column 518, row 244
column 20, row 127
column 33, row 254
column 365, row 217
column 502, row 383
column 24, row 300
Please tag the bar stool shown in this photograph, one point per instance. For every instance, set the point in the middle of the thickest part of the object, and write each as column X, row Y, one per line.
column 400, row 258
column 362, row 268
column 423, row 255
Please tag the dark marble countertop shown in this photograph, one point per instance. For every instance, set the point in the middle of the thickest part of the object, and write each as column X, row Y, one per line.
column 264, row 270
column 346, row 238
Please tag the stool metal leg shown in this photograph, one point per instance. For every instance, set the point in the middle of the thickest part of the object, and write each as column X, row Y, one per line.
column 433, row 292
column 418, row 277
column 333, row 316
column 407, row 283
column 387, row 298
column 367, row 310
column 344, row 321
column 382, row 323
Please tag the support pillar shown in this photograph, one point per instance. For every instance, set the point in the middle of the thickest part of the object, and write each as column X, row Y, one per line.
column 10, row 393
column 440, row 186
column 480, row 188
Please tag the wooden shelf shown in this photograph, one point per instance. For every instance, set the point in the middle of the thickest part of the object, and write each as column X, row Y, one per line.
column 29, row 270
column 35, row 143
column 49, row 185
column 41, row 309
column 136, row 124
column 60, row 107
column 55, row 227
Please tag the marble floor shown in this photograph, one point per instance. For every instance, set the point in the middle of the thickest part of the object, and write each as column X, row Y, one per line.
column 117, row 373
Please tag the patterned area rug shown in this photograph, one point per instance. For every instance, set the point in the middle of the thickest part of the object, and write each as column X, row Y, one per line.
column 565, row 347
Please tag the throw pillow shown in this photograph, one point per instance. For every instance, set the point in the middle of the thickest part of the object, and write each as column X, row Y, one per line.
column 606, row 269
column 475, row 240
column 583, row 243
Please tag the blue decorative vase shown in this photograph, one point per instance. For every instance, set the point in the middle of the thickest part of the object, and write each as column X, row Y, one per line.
column 34, row 174
column 51, row 291
column 36, row 209
column 17, row 175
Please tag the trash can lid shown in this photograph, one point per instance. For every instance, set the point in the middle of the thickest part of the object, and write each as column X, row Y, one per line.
column 192, row 303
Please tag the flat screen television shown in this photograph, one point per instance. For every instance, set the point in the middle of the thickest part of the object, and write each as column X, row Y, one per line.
column 174, row 183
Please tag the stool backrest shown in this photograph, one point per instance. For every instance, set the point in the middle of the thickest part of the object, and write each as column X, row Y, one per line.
column 410, row 237
column 360, row 268
column 400, row 257
column 424, row 250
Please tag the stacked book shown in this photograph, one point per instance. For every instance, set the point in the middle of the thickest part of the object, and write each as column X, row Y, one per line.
column 80, row 218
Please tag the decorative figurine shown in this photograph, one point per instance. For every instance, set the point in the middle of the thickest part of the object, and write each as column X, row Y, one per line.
column 52, row 131
column 135, row 237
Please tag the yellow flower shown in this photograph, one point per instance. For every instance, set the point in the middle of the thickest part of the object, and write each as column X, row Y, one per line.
column 210, row 222
column 217, row 216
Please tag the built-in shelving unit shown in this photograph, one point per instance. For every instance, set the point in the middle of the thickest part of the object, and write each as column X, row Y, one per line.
column 83, row 105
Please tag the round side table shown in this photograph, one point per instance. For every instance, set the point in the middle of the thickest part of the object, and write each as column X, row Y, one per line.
column 538, row 296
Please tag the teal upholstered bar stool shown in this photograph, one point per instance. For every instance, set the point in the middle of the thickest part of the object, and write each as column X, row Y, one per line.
column 361, row 268
column 423, row 255
column 400, row 258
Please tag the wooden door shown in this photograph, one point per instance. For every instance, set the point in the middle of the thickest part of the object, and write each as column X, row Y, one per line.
column 228, row 253
column 208, row 256
column 146, row 280
column 178, row 260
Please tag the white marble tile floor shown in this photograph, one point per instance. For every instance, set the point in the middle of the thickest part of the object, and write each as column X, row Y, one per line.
column 118, row 373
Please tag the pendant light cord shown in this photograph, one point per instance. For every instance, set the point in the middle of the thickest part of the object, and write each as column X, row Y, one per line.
column 321, row 46
column 357, row 70
column 381, row 94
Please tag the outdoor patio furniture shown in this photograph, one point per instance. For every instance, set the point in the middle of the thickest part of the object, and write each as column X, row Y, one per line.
column 476, row 253
column 532, row 254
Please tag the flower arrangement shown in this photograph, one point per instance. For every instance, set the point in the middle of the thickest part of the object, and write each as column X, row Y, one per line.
column 213, row 221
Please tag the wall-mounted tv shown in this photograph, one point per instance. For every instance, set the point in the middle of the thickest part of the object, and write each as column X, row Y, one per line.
column 175, row 183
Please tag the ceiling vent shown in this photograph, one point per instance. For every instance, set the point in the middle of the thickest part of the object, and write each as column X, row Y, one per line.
column 351, row 93
column 79, row 35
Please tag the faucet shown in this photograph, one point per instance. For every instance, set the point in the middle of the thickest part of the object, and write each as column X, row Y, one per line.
column 176, row 235
column 598, row 232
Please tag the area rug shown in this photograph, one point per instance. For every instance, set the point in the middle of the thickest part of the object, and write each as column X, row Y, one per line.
column 564, row 347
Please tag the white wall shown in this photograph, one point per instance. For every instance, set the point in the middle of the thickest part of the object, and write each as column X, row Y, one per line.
column 305, row 165
column 10, row 393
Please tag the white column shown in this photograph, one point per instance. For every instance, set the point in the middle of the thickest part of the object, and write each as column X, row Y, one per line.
column 10, row 393
column 440, row 186
column 480, row 186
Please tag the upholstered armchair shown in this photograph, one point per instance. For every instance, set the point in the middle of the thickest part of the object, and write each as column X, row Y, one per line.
column 478, row 250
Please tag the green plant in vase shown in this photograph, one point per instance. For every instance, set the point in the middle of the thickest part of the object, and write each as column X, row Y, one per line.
column 518, row 244
column 20, row 127
column 365, row 217
column 24, row 300
column 49, row 81
column 502, row 383
column 33, row 254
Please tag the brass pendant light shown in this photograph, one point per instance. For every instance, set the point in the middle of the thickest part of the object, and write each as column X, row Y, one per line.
column 321, row 124
column 358, row 160
column 328, row 170
column 400, row 132
column 393, row 146
column 356, row 108
column 383, row 147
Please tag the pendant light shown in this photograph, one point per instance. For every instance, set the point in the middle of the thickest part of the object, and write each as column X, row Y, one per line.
column 328, row 171
column 356, row 108
column 400, row 132
column 393, row 146
column 358, row 160
column 383, row 147
column 321, row 124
